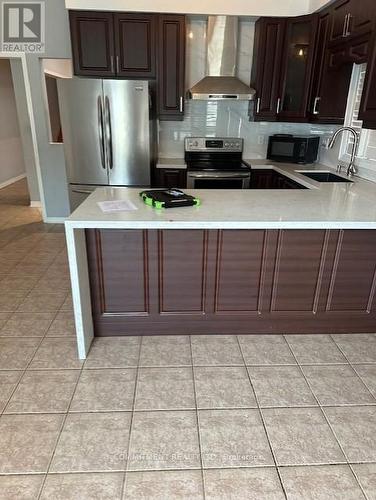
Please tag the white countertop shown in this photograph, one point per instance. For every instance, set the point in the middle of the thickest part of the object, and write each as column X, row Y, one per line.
column 171, row 163
column 323, row 206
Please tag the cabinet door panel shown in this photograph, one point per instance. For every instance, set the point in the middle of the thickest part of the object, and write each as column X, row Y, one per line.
column 352, row 286
column 297, row 271
column 239, row 270
column 182, row 271
column 93, row 47
column 171, row 61
column 135, row 45
column 340, row 10
column 267, row 65
column 171, row 178
column 123, row 285
column 296, row 74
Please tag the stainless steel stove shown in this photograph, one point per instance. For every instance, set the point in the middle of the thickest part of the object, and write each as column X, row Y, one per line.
column 216, row 163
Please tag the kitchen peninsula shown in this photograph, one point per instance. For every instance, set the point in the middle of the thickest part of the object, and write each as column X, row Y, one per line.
column 245, row 261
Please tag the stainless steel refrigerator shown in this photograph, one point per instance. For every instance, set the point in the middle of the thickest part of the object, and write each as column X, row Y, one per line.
column 108, row 133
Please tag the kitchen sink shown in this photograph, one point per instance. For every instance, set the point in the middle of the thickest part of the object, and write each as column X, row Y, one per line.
column 324, row 177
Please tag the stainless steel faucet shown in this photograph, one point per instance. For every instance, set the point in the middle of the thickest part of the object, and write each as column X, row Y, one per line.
column 351, row 169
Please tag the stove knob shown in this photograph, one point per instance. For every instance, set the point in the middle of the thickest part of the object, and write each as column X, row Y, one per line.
column 226, row 144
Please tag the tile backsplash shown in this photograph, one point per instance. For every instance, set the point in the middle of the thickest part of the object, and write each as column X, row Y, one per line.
column 224, row 118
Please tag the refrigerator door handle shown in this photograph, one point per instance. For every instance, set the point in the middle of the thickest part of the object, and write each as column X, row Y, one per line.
column 100, row 130
column 108, row 133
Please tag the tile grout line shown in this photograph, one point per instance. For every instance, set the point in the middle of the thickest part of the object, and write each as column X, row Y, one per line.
column 124, row 483
column 263, row 421
column 327, row 419
column 197, row 421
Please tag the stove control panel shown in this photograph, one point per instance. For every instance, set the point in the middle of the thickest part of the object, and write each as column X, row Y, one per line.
column 230, row 144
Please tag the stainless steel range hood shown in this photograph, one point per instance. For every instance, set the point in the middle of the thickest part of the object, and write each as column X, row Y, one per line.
column 222, row 45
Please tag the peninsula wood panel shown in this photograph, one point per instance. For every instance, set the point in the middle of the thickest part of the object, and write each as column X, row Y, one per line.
column 239, row 270
column 352, row 285
column 182, row 271
column 149, row 282
column 122, row 281
column 298, row 262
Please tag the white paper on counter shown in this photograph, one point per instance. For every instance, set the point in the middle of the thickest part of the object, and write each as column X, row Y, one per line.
column 117, row 206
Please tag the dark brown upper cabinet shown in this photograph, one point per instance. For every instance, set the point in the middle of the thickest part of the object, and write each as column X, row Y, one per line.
column 284, row 50
column 351, row 18
column 135, row 39
column 107, row 44
column 171, row 66
column 266, row 69
column 296, row 73
column 93, row 48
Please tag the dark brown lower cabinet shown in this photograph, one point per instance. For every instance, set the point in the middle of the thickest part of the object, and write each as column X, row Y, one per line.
column 147, row 282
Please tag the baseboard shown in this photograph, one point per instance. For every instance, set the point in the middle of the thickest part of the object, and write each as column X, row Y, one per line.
column 55, row 220
column 36, row 204
column 12, row 181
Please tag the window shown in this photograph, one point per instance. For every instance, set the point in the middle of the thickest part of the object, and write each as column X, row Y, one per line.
column 366, row 156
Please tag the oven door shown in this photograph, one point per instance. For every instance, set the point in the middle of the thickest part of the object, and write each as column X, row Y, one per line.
column 218, row 180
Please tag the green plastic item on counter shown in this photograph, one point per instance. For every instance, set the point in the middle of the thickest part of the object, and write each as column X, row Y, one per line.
column 168, row 198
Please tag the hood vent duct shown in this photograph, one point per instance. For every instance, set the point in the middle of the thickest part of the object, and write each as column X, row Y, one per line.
column 222, row 49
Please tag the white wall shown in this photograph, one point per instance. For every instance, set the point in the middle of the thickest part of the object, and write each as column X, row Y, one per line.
column 233, row 7
column 11, row 155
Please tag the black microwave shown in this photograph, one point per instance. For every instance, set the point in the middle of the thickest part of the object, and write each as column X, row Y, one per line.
column 293, row 148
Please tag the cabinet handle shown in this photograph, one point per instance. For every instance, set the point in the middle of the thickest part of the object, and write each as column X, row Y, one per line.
column 315, row 104
column 117, row 64
column 258, row 105
column 181, row 104
column 112, row 65
column 278, row 105
column 348, row 30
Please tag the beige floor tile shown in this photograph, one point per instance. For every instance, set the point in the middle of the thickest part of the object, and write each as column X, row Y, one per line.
column 266, row 350
column 216, row 350
column 355, row 428
column 44, row 392
column 164, row 440
column 52, row 285
column 4, row 316
column 93, row 442
column 301, row 436
column 27, row 442
column 20, row 487
column 163, row 485
column 10, row 301
column 27, row 324
column 335, row 482
column 103, row 486
column 233, row 438
column 366, row 474
column 368, row 374
column 68, row 303
column 17, row 282
column 31, row 269
column 165, row 351
column 165, row 389
column 57, row 354
column 357, row 348
column 223, row 387
column 280, row 386
column 243, row 484
column 42, row 302
column 315, row 349
column 63, row 325
column 8, row 382
column 16, row 354
column 337, row 385
column 113, row 352
column 105, row 390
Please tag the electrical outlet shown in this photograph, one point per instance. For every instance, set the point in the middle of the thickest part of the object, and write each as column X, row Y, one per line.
column 261, row 139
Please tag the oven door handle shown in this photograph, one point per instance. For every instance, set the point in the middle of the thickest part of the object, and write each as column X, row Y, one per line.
column 196, row 175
